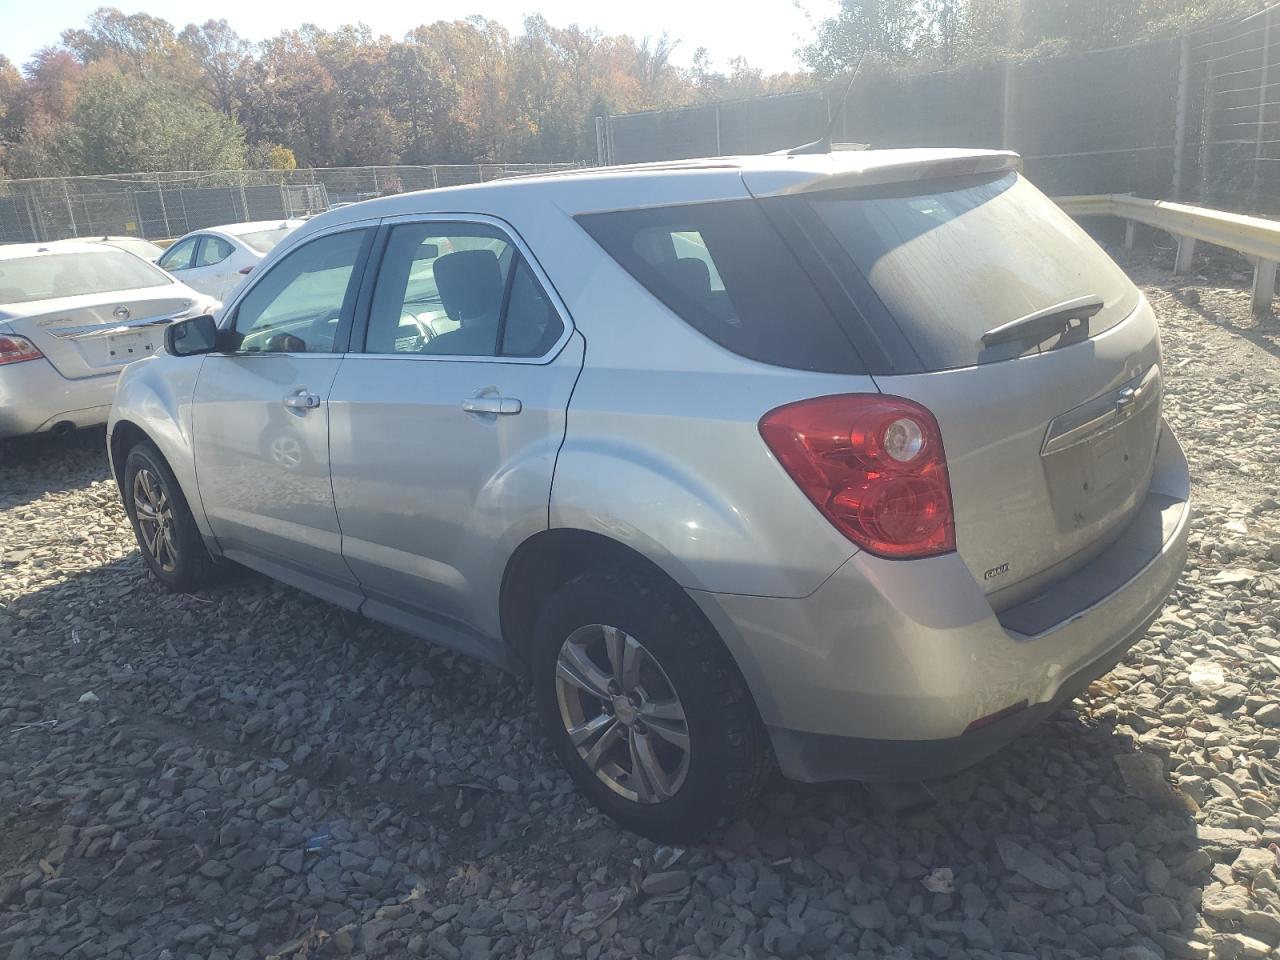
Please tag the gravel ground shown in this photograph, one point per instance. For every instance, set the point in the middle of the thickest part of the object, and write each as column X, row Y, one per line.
column 252, row 772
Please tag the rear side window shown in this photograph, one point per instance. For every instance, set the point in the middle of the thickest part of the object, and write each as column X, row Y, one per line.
column 215, row 250
column 950, row 260
column 723, row 268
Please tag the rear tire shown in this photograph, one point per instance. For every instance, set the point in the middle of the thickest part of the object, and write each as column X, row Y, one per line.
column 167, row 535
column 627, row 664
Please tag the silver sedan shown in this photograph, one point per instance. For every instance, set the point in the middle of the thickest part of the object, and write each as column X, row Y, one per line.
column 72, row 315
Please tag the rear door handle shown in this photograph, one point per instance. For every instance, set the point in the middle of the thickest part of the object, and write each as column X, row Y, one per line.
column 301, row 400
column 505, row 406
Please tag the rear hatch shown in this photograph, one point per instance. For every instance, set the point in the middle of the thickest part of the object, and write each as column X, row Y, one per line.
column 1049, row 426
column 89, row 313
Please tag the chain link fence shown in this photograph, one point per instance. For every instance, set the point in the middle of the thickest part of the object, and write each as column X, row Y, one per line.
column 169, row 204
column 1196, row 118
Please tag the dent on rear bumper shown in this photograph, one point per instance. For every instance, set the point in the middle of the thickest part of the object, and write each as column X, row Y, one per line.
column 35, row 397
column 912, row 651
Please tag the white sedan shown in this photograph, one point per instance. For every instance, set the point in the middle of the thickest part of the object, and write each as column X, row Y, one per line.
column 72, row 315
column 216, row 259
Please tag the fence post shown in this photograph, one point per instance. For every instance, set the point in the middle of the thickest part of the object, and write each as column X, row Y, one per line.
column 1264, row 286
column 1007, row 120
column 163, row 212
column 1186, row 254
column 1206, row 131
column 1262, row 108
column 137, row 213
column 435, row 174
column 719, row 149
column 71, row 217
column 244, row 200
column 34, row 219
column 1180, row 123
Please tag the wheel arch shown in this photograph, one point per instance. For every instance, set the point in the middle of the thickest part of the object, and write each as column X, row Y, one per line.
column 124, row 436
column 551, row 558
column 153, row 403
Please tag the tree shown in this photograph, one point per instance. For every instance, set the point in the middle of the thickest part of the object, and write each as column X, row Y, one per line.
column 224, row 57
column 37, row 115
column 121, row 124
column 136, row 43
column 421, row 99
column 10, row 90
column 884, row 30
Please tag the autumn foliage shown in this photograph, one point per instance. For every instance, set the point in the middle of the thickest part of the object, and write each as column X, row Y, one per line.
column 129, row 92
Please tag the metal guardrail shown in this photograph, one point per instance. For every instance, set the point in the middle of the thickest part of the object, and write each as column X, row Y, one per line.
column 1255, row 237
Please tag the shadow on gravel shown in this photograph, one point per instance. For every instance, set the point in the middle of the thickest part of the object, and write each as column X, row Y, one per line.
column 255, row 763
column 31, row 467
column 1089, row 844
column 1263, row 334
column 250, row 720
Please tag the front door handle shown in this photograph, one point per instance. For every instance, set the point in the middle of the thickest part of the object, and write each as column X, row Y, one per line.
column 504, row 406
column 301, row 400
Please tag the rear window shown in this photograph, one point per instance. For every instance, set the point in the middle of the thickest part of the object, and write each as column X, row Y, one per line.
column 953, row 260
column 724, row 269
column 263, row 240
column 51, row 276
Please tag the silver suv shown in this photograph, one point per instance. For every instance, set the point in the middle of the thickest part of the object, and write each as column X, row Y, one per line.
column 849, row 463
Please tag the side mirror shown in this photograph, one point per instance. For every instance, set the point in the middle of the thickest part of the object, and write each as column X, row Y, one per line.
column 187, row 338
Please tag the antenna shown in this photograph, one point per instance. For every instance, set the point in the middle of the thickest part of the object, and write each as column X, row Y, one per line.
column 823, row 144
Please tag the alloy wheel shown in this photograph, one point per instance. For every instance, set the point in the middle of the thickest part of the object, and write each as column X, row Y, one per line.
column 622, row 713
column 154, row 511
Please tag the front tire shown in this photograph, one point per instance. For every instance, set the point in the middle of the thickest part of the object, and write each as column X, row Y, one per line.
column 166, row 531
column 645, row 708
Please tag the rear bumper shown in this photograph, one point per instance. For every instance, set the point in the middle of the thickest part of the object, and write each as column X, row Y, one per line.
column 881, row 671
column 34, row 397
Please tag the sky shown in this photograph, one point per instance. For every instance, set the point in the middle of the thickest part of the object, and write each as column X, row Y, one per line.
column 767, row 32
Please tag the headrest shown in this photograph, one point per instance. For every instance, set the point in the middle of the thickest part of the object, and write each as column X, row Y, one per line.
column 693, row 277
column 470, row 284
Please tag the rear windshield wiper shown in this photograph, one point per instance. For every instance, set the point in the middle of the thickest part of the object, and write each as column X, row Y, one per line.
column 1044, row 323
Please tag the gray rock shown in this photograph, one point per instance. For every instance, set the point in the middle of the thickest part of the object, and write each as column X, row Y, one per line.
column 1163, row 912
column 870, row 916
column 1022, row 861
column 1144, row 776
column 194, row 933
column 1140, row 951
column 668, row 881
column 1263, row 923
column 1269, row 715
column 1252, row 861
column 1226, row 903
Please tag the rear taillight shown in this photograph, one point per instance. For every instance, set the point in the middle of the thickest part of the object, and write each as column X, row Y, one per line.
column 17, row 349
column 873, row 465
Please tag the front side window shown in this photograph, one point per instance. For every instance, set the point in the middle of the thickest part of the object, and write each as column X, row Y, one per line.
column 215, row 250
column 454, row 289
column 300, row 302
column 180, row 255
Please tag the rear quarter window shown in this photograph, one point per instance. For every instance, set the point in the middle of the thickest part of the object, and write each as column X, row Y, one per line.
column 723, row 269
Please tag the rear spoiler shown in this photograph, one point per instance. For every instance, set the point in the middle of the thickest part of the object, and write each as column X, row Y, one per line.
column 771, row 183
